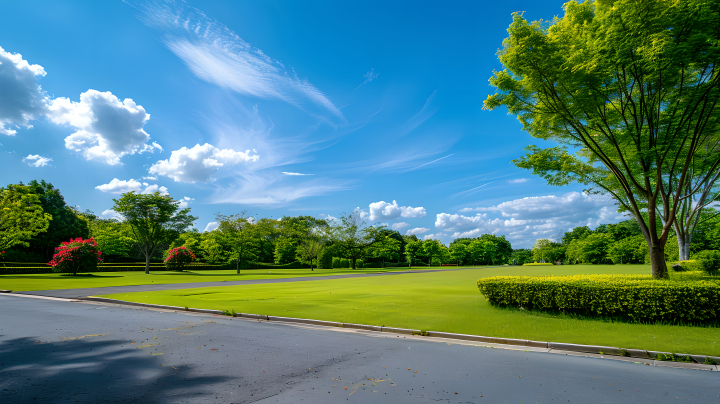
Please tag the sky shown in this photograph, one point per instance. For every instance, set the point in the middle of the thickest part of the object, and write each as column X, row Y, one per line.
column 279, row 108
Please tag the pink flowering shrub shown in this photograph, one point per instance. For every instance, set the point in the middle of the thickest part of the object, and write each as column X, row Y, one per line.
column 178, row 258
column 75, row 256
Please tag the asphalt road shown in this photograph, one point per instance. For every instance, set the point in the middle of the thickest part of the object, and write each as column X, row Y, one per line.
column 85, row 292
column 67, row 352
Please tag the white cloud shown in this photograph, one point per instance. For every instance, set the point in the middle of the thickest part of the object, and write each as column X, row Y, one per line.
column 117, row 186
column 107, row 128
column 216, row 54
column 37, row 160
column 400, row 226
column 269, row 189
column 150, row 178
column 416, row 231
column 518, row 180
column 21, row 98
column 184, row 202
column 212, row 226
column 288, row 173
column 523, row 221
column 111, row 214
column 438, row 236
column 199, row 163
column 391, row 211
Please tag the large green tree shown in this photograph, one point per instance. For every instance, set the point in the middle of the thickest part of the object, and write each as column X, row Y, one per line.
column 629, row 89
column 352, row 236
column 154, row 219
column 21, row 216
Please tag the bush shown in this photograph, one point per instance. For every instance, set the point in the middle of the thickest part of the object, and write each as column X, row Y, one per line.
column 178, row 258
column 537, row 263
column 344, row 263
column 634, row 297
column 359, row 263
column 336, row 262
column 707, row 261
column 325, row 259
column 75, row 256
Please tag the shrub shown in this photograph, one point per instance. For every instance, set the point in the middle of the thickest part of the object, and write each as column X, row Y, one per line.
column 359, row 263
column 325, row 259
column 537, row 263
column 336, row 262
column 634, row 297
column 178, row 258
column 76, row 255
column 707, row 261
column 344, row 263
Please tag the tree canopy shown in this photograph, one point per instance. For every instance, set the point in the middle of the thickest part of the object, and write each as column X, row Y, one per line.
column 629, row 90
column 21, row 216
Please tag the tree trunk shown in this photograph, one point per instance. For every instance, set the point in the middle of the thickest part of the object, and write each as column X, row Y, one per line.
column 683, row 246
column 353, row 263
column 147, row 263
column 657, row 261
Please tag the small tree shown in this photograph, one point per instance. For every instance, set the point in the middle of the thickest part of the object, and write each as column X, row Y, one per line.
column 75, row 256
column 22, row 217
column 352, row 236
column 308, row 251
column 411, row 251
column 153, row 218
column 178, row 258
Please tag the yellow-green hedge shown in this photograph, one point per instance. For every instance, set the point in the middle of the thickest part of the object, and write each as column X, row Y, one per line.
column 634, row 297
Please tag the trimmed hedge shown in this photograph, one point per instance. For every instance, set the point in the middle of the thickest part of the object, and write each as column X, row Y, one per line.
column 45, row 269
column 528, row 264
column 633, row 297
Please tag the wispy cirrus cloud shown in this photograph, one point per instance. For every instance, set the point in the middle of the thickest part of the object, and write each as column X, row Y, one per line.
column 216, row 54
column 369, row 76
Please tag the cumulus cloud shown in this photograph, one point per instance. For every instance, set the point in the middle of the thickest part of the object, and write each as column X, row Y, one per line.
column 37, row 160
column 216, row 54
column 399, row 226
column 117, row 186
column 21, row 98
column 184, row 202
column 107, row 128
column 390, row 211
column 199, row 163
column 523, row 221
column 416, row 231
column 211, row 226
column 111, row 214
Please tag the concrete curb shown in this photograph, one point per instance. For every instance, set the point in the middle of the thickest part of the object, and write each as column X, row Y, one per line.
column 551, row 346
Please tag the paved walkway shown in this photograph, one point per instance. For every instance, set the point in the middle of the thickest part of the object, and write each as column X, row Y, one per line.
column 84, row 292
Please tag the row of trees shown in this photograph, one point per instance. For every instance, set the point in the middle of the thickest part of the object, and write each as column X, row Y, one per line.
column 622, row 243
column 36, row 219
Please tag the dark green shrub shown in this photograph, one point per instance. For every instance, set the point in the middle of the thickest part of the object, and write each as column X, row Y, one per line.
column 707, row 261
column 325, row 259
column 359, row 263
column 633, row 297
column 336, row 262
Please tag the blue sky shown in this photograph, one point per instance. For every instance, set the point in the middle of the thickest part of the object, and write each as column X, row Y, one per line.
column 279, row 108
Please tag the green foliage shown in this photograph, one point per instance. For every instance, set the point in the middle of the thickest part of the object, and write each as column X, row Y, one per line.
column 630, row 250
column 629, row 91
column 548, row 251
column 113, row 238
column 636, row 297
column 344, row 263
column 707, row 261
column 21, row 216
column 153, row 218
column 336, row 262
column 285, row 250
column 325, row 259
column 359, row 264
column 353, row 237
column 521, row 256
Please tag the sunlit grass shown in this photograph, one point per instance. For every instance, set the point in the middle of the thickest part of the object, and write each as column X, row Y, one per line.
column 18, row 282
column 441, row 301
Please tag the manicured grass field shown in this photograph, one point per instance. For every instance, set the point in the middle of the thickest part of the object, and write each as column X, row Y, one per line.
column 441, row 301
column 19, row 283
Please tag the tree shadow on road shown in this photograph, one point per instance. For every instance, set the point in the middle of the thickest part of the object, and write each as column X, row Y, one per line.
column 93, row 370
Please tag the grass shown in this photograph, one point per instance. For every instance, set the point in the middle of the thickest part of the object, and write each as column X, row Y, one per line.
column 441, row 301
column 25, row 282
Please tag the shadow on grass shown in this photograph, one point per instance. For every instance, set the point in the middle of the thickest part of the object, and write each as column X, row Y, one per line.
column 89, row 371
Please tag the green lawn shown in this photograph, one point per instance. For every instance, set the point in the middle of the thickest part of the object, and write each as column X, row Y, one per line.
column 19, row 283
column 441, row 301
